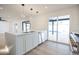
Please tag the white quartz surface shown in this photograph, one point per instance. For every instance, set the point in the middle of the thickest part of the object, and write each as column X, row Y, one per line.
column 21, row 33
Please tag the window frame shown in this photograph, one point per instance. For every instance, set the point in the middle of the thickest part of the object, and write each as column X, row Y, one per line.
column 26, row 22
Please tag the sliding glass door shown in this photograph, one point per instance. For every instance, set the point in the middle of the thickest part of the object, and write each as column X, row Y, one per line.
column 63, row 31
column 52, row 30
column 58, row 29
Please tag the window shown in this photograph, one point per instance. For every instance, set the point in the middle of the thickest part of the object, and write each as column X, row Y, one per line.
column 26, row 26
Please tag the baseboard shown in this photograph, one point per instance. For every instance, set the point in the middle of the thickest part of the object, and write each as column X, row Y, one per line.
column 59, row 42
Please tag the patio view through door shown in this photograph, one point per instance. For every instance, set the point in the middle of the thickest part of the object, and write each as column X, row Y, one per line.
column 58, row 29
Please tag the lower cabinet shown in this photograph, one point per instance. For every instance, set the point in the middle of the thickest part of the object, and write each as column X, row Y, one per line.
column 42, row 36
column 25, row 43
column 29, row 42
column 20, row 45
column 35, row 40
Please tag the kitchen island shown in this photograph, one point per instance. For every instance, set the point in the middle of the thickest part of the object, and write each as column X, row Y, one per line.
column 21, row 43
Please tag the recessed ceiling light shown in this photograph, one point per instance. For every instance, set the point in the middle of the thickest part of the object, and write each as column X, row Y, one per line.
column 1, row 8
column 46, row 7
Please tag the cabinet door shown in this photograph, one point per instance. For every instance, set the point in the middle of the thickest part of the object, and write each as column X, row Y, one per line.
column 29, row 42
column 39, row 38
column 20, row 46
column 35, row 39
column 44, row 36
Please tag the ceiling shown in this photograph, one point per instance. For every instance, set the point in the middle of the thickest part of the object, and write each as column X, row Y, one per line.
column 19, row 10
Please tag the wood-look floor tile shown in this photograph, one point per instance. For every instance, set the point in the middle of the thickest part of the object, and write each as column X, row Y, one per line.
column 51, row 48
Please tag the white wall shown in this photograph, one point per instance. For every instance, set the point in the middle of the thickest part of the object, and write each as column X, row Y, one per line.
column 41, row 22
column 4, row 26
column 12, row 26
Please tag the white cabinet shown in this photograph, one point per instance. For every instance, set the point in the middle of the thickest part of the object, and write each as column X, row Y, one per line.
column 35, row 39
column 32, row 41
column 45, row 35
column 22, row 43
column 27, row 45
column 29, row 42
column 42, row 36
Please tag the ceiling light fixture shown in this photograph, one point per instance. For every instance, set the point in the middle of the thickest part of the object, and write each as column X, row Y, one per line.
column 23, row 15
column 23, row 4
column 37, row 11
column 31, row 9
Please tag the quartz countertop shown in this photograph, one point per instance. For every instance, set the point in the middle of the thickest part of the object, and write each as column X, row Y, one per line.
column 21, row 33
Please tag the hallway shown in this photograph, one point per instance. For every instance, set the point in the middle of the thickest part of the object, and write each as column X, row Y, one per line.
column 51, row 48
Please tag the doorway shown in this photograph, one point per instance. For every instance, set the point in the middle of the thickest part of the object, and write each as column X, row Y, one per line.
column 58, row 29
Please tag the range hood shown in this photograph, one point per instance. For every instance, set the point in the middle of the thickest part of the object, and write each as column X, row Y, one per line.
column 2, row 19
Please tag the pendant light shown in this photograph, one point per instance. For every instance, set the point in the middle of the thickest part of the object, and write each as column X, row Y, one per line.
column 23, row 15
